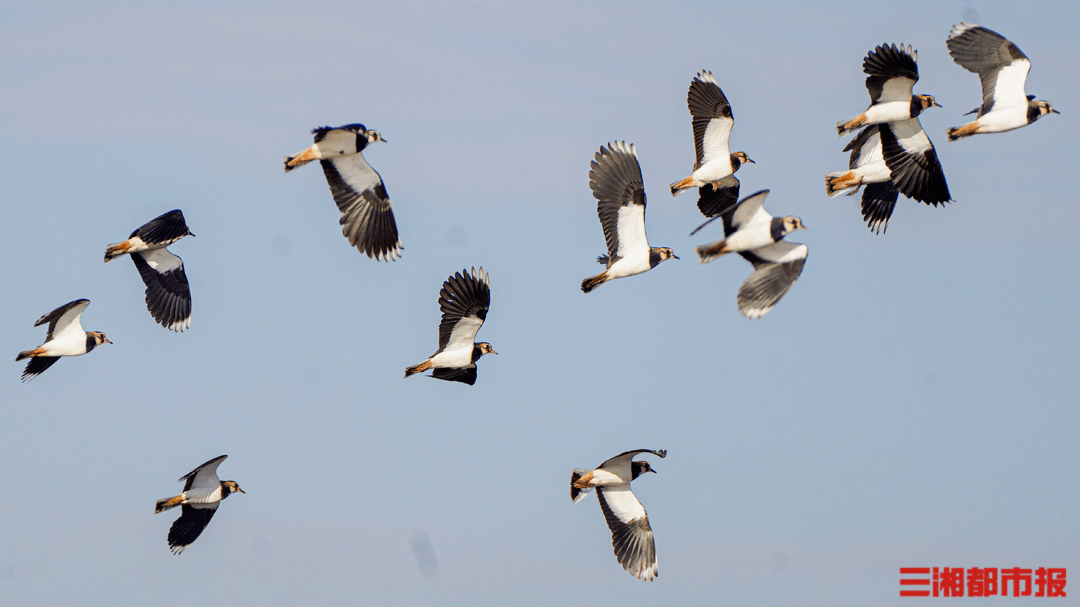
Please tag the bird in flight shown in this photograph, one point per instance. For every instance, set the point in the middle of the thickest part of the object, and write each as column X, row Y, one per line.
column 358, row 190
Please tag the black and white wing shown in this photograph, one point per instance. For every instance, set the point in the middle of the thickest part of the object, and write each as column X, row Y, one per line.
column 913, row 162
column 1001, row 66
column 893, row 72
column 714, row 199
column 751, row 208
column 776, row 268
column 878, row 199
column 624, row 458
column 365, row 209
column 187, row 528
column 65, row 320
column 615, row 179
column 205, row 476
column 164, row 229
column 631, row 535
column 464, row 300
column 168, row 296
column 712, row 119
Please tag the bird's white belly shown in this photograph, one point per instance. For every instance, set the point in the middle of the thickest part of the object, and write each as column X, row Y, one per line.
column 875, row 172
column 750, row 237
column 715, row 170
column 602, row 478
column 66, row 347
column 1001, row 119
column 630, row 265
column 456, row 358
column 892, row 111
column 202, row 496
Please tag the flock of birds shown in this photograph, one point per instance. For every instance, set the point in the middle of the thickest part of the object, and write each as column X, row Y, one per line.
column 890, row 155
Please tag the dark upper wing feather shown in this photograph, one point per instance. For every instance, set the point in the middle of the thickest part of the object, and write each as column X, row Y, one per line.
column 168, row 296
column 916, row 172
column 163, row 229
column 713, row 200
column 984, row 52
column 366, row 215
column 465, row 375
column 878, row 202
column 465, row 294
column 189, row 526
column 615, row 179
column 707, row 103
column 885, row 63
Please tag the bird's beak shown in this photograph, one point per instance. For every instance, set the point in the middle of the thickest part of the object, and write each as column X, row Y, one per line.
column 934, row 102
column 674, row 256
column 241, row 490
column 191, row 235
column 494, row 352
column 651, row 470
column 107, row 340
column 750, row 160
column 1054, row 111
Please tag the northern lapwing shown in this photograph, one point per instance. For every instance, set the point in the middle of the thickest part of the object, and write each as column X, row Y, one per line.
column 1003, row 71
column 714, row 164
column 615, row 179
column 892, row 72
column 168, row 296
column 203, row 491
column 631, row 534
column 65, row 337
column 357, row 188
column 866, row 167
column 752, row 232
column 464, row 300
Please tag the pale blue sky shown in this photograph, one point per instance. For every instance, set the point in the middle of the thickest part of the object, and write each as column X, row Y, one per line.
column 910, row 402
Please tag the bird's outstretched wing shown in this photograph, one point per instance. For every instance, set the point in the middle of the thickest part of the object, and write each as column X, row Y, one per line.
column 615, row 179
column 366, row 216
column 464, row 300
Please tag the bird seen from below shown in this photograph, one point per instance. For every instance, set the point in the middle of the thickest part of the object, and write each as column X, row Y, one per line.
column 203, row 491
column 1003, row 70
column 757, row 236
column 615, row 179
column 168, row 295
column 366, row 216
column 65, row 337
column 464, row 300
column 631, row 534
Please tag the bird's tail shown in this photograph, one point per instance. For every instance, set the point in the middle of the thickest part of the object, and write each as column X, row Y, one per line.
column 840, row 182
column 959, row 132
column 167, row 503
column 300, row 159
column 577, row 494
column 849, row 126
column 116, row 250
column 424, row 366
column 38, row 351
column 681, row 186
column 592, row 282
column 711, row 251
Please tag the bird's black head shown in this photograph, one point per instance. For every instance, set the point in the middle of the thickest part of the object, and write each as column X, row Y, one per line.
column 230, row 487
column 738, row 159
column 639, row 468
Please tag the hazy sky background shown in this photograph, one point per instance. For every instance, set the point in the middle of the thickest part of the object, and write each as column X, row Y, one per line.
column 910, row 402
